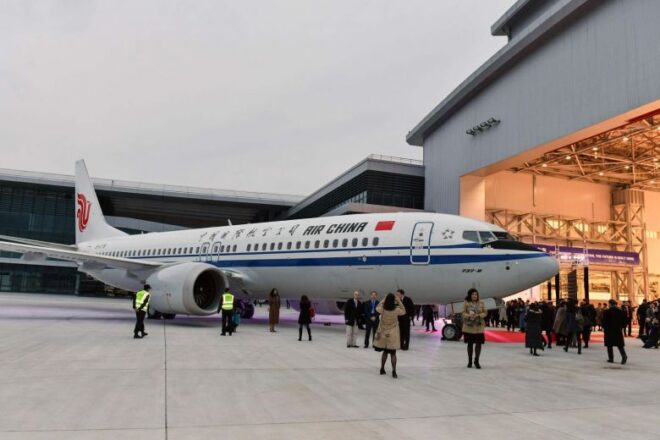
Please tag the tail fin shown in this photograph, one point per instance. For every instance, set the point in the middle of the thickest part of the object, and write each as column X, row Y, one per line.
column 90, row 223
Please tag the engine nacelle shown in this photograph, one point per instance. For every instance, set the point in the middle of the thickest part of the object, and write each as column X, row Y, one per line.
column 188, row 288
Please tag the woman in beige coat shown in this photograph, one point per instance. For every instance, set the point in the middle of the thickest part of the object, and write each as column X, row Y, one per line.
column 273, row 309
column 474, row 313
column 387, row 338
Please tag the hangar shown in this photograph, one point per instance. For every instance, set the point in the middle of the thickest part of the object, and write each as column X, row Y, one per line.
column 556, row 138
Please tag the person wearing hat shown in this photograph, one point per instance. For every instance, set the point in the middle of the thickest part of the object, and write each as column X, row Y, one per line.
column 140, row 305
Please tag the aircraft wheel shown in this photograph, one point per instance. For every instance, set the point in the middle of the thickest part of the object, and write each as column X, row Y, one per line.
column 450, row 332
column 248, row 310
column 169, row 315
column 153, row 313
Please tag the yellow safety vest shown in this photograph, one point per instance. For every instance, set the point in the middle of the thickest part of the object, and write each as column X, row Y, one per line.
column 227, row 301
column 140, row 298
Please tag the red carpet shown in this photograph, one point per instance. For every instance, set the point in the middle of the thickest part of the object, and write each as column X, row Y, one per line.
column 505, row 337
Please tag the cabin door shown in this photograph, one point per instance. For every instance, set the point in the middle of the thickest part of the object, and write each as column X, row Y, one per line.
column 420, row 243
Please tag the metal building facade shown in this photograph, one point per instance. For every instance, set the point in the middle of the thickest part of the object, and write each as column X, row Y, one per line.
column 569, row 69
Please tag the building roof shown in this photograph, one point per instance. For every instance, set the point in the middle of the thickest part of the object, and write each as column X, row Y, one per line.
column 547, row 16
column 220, row 195
column 373, row 162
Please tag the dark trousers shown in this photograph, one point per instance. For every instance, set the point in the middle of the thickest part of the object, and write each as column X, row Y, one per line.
column 227, row 324
column 610, row 352
column 642, row 326
column 404, row 331
column 548, row 337
column 370, row 330
column 586, row 335
column 431, row 322
column 139, row 321
column 629, row 326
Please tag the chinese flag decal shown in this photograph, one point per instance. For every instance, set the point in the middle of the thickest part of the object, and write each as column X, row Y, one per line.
column 385, row 226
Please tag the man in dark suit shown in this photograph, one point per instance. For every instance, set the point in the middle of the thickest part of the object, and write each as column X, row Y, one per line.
column 371, row 317
column 614, row 323
column 404, row 321
column 628, row 314
column 352, row 315
column 641, row 318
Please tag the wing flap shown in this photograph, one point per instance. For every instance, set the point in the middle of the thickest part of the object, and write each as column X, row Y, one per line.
column 82, row 258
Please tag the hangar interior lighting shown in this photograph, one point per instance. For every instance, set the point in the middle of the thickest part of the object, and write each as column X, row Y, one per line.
column 625, row 157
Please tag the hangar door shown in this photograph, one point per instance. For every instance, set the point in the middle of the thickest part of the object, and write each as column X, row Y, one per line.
column 420, row 243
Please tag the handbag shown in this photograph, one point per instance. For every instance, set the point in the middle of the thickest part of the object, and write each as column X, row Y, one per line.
column 378, row 336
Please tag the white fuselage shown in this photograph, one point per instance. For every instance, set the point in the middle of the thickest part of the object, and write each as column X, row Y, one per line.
column 328, row 258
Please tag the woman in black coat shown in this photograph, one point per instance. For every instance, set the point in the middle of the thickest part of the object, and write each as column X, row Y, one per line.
column 533, row 333
column 304, row 318
column 614, row 321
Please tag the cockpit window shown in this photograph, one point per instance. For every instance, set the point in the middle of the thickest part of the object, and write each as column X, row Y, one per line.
column 486, row 236
column 471, row 236
column 504, row 236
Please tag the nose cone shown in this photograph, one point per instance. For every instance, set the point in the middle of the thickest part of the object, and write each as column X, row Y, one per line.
column 538, row 270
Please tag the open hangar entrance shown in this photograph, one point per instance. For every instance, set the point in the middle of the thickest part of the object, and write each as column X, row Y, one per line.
column 593, row 202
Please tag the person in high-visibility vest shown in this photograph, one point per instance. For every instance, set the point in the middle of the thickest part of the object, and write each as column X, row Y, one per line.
column 140, row 305
column 227, row 307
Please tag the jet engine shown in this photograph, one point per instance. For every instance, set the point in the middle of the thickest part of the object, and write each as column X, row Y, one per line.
column 189, row 288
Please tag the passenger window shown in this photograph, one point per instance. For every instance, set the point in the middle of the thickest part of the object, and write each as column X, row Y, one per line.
column 222, row 248
column 197, row 250
column 355, row 242
column 215, row 248
column 365, row 242
column 272, row 246
column 335, row 243
column 288, row 245
column 297, row 245
column 317, row 244
column 344, row 242
column 375, row 241
column 307, row 245
column 248, row 247
column 279, row 246
column 471, row 236
column 235, row 248
column 326, row 243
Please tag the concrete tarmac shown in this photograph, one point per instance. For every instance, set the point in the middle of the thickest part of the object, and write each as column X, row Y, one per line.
column 70, row 369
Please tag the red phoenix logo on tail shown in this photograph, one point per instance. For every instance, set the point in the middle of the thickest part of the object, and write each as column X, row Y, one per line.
column 84, row 208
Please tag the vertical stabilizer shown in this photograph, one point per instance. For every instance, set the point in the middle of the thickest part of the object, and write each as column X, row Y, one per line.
column 90, row 223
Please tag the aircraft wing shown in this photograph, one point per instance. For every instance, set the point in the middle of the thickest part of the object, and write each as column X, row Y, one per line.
column 71, row 247
column 32, row 252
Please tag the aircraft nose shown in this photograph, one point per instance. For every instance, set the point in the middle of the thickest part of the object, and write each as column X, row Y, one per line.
column 538, row 270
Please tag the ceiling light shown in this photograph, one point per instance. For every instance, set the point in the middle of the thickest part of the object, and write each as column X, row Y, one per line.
column 627, row 167
column 655, row 159
column 625, row 139
column 595, row 148
column 601, row 173
column 545, row 165
column 568, row 157
column 652, row 181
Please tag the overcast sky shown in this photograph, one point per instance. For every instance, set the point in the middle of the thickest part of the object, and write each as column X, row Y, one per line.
column 271, row 96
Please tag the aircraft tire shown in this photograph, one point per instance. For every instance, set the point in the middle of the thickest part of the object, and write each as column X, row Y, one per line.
column 169, row 315
column 248, row 310
column 153, row 313
column 450, row 332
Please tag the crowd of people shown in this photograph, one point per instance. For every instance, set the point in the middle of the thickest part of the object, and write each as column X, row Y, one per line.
column 387, row 323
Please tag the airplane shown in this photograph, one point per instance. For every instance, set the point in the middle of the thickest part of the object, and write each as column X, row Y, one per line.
column 434, row 257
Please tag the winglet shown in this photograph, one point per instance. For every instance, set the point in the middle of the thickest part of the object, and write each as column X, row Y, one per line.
column 90, row 222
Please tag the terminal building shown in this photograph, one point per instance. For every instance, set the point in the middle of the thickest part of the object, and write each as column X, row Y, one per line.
column 556, row 138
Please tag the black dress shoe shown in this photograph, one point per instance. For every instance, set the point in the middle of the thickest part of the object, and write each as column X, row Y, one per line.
column 611, row 361
column 469, row 365
column 394, row 376
column 624, row 360
column 144, row 334
column 137, row 337
column 476, row 365
column 382, row 371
